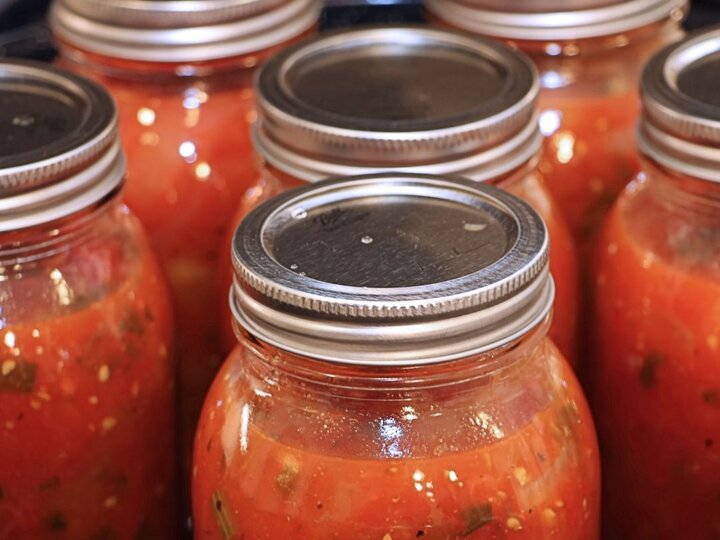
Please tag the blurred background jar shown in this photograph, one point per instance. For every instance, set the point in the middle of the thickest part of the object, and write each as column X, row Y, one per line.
column 394, row 378
column 656, row 374
column 86, row 378
column 181, row 73
column 589, row 54
column 409, row 99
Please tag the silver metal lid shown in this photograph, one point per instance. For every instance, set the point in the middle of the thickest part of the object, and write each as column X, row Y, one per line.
column 180, row 30
column 391, row 269
column 550, row 20
column 413, row 99
column 680, row 124
column 59, row 144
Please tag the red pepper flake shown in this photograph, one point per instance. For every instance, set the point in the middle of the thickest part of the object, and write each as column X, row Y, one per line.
column 20, row 379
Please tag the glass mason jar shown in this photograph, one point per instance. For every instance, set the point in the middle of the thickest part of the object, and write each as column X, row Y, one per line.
column 409, row 99
column 86, row 378
column 394, row 378
column 656, row 377
column 590, row 54
column 181, row 73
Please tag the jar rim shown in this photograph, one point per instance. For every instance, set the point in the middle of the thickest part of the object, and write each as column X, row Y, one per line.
column 360, row 305
column 680, row 122
column 180, row 31
column 366, row 119
column 65, row 153
column 553, row 25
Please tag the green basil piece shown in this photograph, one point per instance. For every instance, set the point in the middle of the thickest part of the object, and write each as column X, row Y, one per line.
column 477, row 517
column 221, row 517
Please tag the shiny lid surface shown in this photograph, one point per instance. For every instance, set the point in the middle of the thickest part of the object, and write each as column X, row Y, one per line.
column 59, row 148
column 413, row 98
column 548, row 20
column 391, row 269
column 180, row 30
column 680, row 125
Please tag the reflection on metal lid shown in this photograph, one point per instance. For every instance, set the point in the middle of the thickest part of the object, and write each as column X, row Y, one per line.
column 59, row 147
column 391, row 268
column 403, row 97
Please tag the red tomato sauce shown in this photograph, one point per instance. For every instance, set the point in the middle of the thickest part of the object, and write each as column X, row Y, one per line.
column 187, row 141
column 293, row 479
column 656, row 376
column 585, row 177
column 87, row 409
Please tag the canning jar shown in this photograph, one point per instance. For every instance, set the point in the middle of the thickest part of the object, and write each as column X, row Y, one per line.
column 656, row 375
column 589, row 54
column 86, row 378
column 394, row 378
column 181, row 73
column 409, row 99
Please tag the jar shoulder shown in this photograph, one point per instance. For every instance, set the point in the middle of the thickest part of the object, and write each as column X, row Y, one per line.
column 455, row 463
column 81, row 271
column 414, row 422
column 658, row 225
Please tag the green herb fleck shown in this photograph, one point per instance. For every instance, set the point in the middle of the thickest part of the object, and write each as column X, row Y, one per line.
column 56, row 522
column 221, row 517
column 149, row 314
column 133, row 350
column 477, row 517
column 132, row 324
column 17, row 375
column 711, row 397
column 50, row 484
column 286, row 478
column 106, row 533
column 144, row 532
column 648, row 370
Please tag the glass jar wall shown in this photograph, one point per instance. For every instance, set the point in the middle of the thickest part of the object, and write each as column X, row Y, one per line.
column 181, row 74
column 463, row 420
column 656, row 376
column 86, row 378
column 340, row 105
column 589, row 55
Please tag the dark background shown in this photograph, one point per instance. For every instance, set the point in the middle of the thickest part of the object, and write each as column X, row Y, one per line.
column 24, row 34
